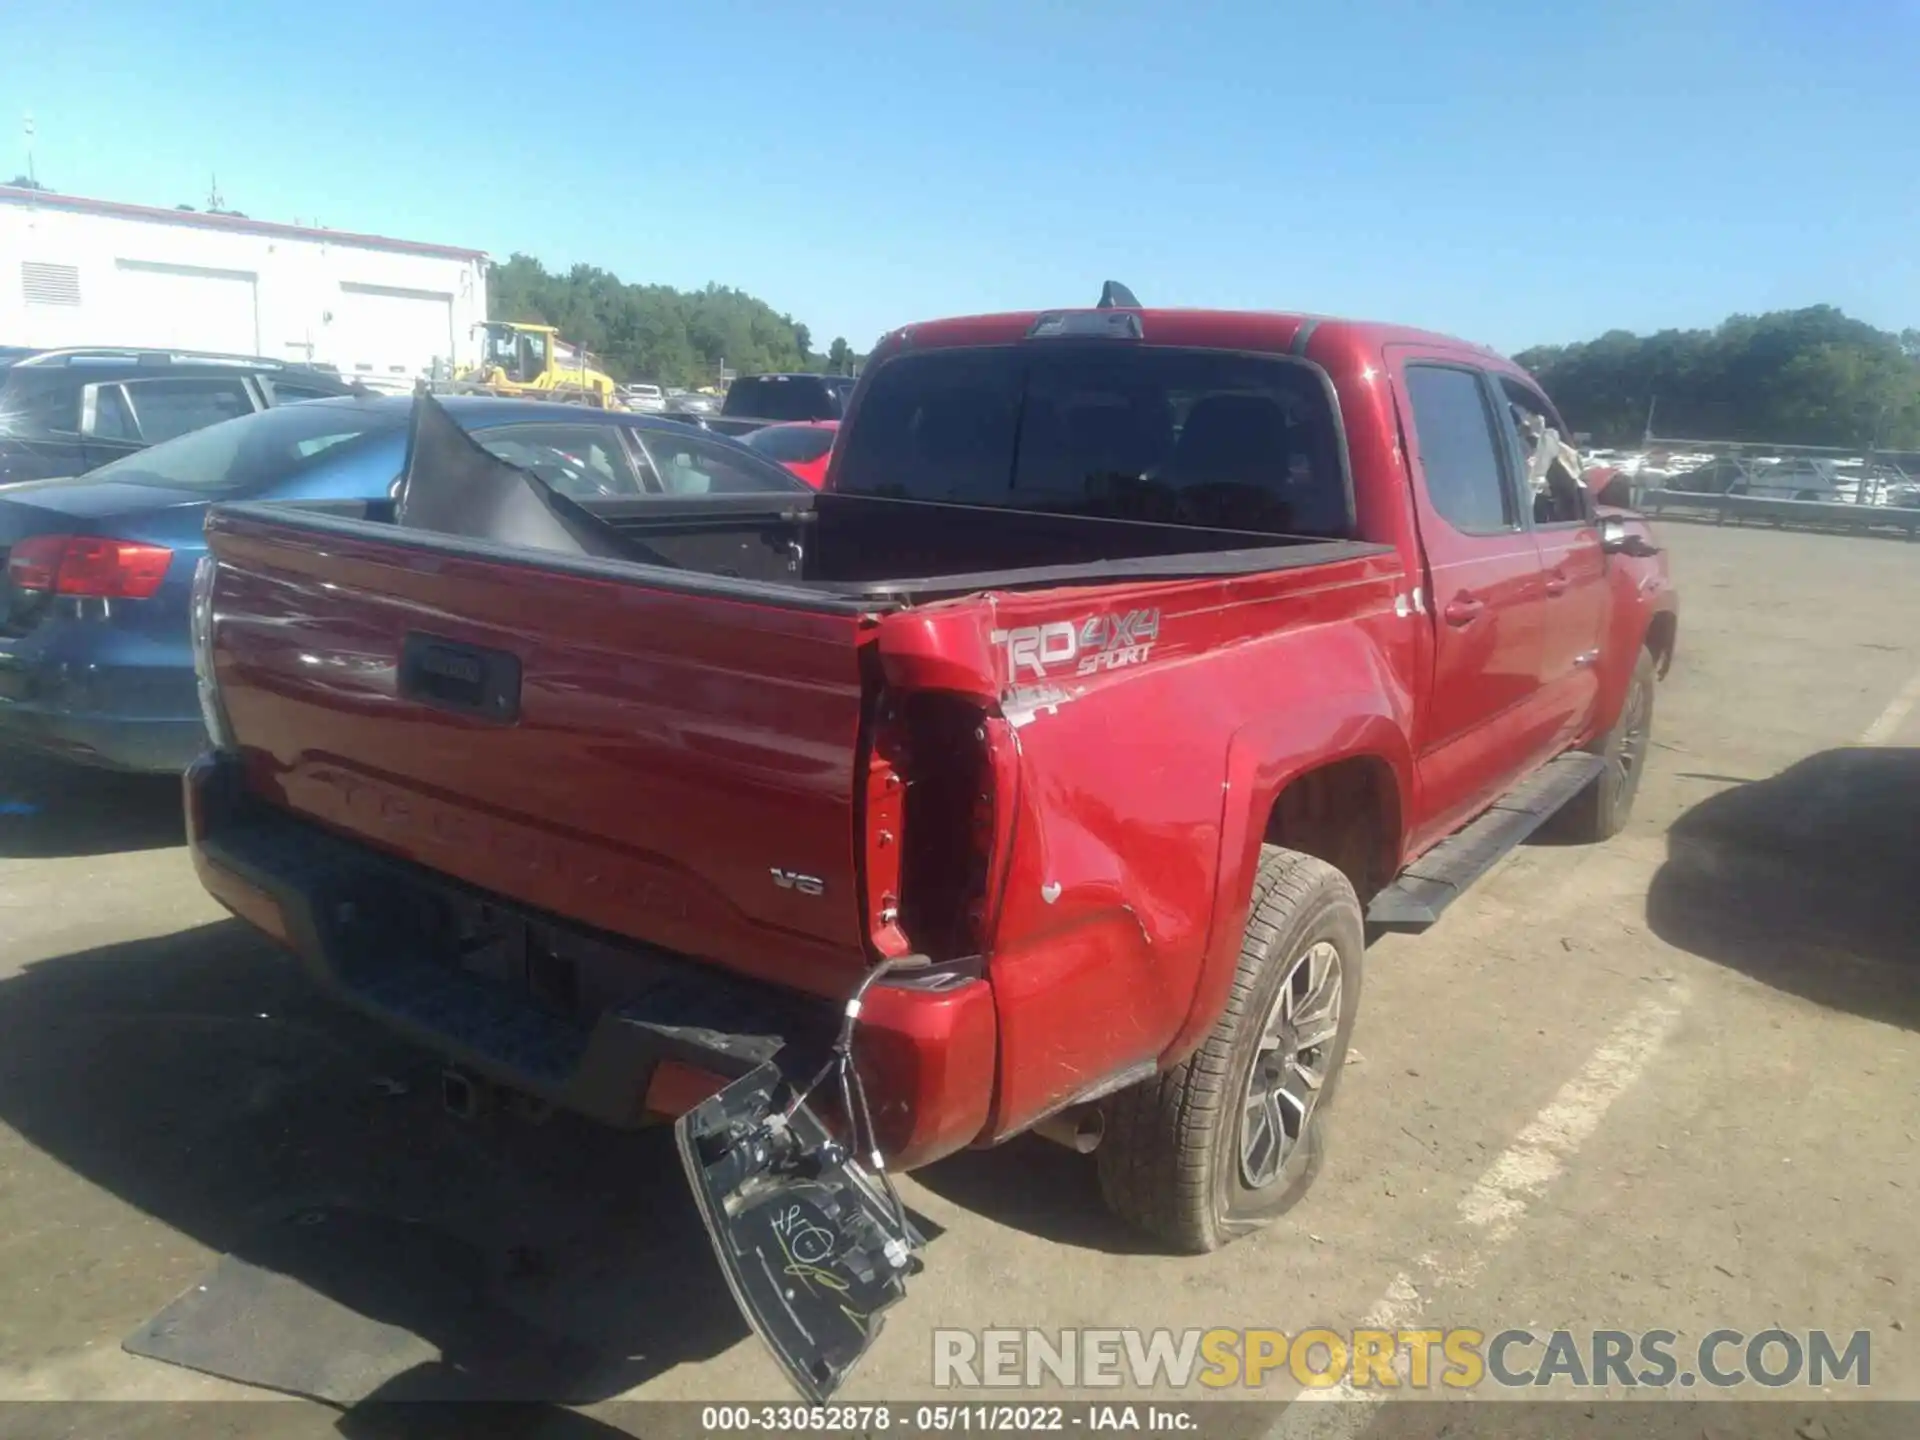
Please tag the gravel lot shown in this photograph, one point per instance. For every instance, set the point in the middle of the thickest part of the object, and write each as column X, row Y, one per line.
column 1668, row 1082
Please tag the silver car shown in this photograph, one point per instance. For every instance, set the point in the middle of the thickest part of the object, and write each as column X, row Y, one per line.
column 646, row 399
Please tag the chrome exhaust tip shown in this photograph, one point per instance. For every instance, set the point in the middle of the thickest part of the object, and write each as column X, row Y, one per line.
column 1079, row 1127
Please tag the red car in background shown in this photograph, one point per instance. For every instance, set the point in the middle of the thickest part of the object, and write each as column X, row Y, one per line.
column 803, row 447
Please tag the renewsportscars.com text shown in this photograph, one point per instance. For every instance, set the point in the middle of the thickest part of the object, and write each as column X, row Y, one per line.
column 1452, row 1359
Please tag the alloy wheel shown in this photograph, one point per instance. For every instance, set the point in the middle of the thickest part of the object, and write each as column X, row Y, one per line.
column 1290, row 1067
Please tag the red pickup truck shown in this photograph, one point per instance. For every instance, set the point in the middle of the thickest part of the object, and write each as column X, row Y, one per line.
column 1131, row 667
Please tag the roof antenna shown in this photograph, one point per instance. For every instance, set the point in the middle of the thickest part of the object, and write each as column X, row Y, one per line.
column 1115, row 296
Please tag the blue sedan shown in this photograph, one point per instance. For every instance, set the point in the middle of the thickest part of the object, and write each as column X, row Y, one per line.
column 95, row 660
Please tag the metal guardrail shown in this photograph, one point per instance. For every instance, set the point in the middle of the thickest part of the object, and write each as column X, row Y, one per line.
column 1815, row 514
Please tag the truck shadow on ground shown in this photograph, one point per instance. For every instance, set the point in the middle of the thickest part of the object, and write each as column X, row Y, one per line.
column 1038, row 1187
column 1808, row 881
column 197, row 1078
column 50, row 808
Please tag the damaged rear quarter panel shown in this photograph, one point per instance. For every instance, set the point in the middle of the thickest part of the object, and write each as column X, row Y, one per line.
column 1139, row 779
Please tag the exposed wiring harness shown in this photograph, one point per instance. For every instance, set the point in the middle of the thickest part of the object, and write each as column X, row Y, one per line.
column 839, row 1067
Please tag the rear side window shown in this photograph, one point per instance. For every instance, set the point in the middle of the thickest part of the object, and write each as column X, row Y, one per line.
column 1458, row 446
column 286, row 392
column 1192, row 437
column 580, row 461
column 164, row 409
column 693, row 465
column 111, row 419
column 39, row 405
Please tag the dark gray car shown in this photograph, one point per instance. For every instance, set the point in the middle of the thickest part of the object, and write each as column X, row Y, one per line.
column 65, row 412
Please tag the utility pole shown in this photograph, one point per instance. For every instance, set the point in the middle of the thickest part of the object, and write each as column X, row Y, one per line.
column 26, row 127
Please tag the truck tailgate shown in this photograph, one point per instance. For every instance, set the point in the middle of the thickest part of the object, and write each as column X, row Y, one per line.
column 674, row 767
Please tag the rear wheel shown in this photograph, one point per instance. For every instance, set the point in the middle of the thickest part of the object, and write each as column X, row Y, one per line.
column 1601, row 810
column 1235, row 1135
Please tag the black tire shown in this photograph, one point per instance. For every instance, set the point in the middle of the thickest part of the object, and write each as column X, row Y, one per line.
column 1171, row 1160
column 1601, row 811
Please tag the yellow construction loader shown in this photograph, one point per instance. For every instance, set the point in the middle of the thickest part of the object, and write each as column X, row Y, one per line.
column 532, row 361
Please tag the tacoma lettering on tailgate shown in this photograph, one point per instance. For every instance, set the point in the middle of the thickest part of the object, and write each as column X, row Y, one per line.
column 381, row 809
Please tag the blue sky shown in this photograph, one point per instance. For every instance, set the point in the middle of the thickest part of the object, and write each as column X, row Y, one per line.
column 1511, row 172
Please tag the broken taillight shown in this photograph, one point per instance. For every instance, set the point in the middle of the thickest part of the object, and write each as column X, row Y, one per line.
column 939, row 818
column 213, row 711
column 94, row 566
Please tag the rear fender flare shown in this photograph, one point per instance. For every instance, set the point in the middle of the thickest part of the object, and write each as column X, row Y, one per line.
column 1263, row 759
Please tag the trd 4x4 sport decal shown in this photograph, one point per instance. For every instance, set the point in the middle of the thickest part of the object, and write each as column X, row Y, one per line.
column 1083, row 647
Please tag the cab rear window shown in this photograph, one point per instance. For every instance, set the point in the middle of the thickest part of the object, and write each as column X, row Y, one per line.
column 1133, row 432
column 783, row 397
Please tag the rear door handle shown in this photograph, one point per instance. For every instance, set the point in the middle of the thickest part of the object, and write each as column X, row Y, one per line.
column 1463, row 610
column 1556, row 582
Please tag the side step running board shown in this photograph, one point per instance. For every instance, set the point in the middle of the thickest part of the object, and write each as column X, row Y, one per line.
column 1426, row 887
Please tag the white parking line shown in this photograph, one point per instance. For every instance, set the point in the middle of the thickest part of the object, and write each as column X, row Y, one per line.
column 1883, row 728
column 1494, row 1207
column 1539, row 1153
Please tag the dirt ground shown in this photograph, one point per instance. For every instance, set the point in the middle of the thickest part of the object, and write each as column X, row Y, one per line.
column 1669, row 1082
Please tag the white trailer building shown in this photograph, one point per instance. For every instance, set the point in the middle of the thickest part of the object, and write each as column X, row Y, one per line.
column 94, row 272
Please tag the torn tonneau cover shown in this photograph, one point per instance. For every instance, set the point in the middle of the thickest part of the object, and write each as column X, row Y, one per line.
column 453, row 485
column 813, row 1244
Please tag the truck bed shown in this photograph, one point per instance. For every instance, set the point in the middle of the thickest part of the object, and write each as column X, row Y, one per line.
column 681, row 750
column 850, row 552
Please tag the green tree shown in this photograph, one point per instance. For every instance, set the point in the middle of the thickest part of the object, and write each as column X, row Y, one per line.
column 650, row 332
column 1812, row 377
column 25, row 182
column 840, row 356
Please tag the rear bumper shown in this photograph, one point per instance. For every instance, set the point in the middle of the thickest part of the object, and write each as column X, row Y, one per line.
column 670, row 1029
column 140, row 718
column 163, row 747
